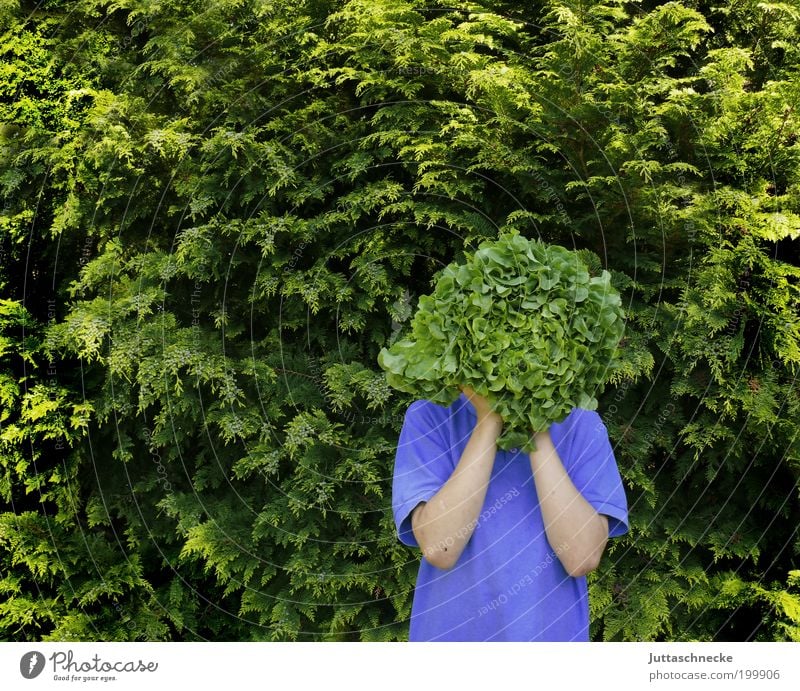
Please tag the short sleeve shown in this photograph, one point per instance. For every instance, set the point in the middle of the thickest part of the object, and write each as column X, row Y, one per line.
column 594, row 472
column 422, row 463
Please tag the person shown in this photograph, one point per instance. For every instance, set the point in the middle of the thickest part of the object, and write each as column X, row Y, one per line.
column 507, row 538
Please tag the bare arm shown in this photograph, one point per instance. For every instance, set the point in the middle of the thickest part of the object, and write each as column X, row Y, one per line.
column 574, row 529
column 444, row 524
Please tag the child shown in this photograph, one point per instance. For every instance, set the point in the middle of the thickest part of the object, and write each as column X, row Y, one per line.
column 506, row 537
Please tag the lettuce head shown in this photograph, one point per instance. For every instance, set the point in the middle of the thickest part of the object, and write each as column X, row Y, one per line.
column 522, row 323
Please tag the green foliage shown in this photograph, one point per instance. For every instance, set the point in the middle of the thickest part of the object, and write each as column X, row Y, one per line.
column 215, row 216
column 520, row 322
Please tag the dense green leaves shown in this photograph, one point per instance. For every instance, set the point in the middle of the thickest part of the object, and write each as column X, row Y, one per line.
column 520, row 322
column 216, row 216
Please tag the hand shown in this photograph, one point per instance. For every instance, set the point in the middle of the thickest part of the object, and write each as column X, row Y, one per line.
column 542, row 440
column 482, row 407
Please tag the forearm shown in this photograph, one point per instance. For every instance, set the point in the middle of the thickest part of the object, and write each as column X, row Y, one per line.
column 574, row 529
column 444, row 524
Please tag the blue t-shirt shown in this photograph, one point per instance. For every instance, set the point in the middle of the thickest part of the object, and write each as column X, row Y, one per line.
column 508, row 584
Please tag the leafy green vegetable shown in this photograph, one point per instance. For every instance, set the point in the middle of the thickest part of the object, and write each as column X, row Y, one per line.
column 522, row 323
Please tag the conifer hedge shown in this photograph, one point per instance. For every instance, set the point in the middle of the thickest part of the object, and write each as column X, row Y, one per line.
column 216, row 214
